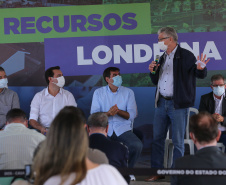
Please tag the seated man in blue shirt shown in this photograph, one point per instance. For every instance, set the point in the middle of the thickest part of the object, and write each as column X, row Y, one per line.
column 119, row 105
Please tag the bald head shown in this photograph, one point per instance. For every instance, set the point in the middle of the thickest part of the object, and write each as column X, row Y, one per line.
column 204, row 127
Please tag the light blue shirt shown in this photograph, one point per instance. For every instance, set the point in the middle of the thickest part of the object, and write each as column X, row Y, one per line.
column 104, row 99
column 166, row 78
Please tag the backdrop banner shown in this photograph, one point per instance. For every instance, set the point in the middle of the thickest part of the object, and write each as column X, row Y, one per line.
column 131, row 53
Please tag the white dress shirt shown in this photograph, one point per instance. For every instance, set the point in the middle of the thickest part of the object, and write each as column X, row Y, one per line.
column 100, row 175
column 17, row 146
column 44, row 106
column 166, row 78
column 218, row 109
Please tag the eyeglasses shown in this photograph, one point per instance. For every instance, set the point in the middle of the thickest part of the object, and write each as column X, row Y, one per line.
column 220, row 85
column 163, row 38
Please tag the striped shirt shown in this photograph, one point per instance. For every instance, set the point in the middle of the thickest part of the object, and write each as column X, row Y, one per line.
column 17, row 146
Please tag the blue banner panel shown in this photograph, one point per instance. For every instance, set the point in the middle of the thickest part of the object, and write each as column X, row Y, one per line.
column 131, row 53
column 91, row 55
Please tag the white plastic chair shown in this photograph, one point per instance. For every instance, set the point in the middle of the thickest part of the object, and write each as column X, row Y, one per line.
column 221, row 145
column 168, row 155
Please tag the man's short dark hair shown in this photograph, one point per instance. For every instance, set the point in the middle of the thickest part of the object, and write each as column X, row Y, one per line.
column 216, row 77
column 204, row 127
column 98, row 119
column 2, row 69
column 49, row 73
column 14, row 114
column 107, row 72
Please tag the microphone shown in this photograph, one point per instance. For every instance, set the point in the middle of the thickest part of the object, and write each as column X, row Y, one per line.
column 156, row 61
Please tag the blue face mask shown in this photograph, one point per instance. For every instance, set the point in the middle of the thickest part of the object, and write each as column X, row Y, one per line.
column 117, row 81
column 218, row 91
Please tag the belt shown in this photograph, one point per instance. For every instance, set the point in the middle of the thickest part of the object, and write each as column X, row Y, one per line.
column 166, row 97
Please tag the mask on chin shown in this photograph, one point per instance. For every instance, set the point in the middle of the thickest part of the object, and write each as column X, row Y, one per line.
column 218, row 91
column 162, row 46
column 61, row 81
column 117, row 81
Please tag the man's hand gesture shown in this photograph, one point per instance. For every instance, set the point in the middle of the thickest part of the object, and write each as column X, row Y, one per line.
column 113, row 110
column 201, row 64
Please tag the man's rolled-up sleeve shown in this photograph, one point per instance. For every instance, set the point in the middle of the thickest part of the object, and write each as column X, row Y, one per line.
column 95, row 107
column 71, row 100
column 35, row 108
column 15, row 101
column 132, row 106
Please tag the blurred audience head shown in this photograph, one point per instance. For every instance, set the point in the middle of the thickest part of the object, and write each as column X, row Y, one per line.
column 98, row 123
column 204, row 128
column 16, row 116
column 65, row 148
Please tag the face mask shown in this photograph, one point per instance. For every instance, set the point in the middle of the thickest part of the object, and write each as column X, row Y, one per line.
column 117, row 81
column 218, row 91
column 162, row 46
column 3, row 83
column 61, row 81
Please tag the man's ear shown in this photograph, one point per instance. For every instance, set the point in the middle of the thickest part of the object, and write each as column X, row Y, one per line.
column 26, row 123
column 87, row 127
column 50, row 79
column 106, row 130
column 107, row 79
column 192, row 136
column 211, row 87
column 218, row 136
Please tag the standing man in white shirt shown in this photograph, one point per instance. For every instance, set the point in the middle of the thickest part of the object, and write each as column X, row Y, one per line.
column 215, row 103
column 48, row 102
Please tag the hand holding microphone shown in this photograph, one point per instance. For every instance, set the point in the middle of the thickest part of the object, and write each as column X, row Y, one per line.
column 154, row 65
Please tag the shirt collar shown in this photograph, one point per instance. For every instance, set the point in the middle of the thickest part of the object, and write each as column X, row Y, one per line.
column 97, row 133
column 47, row 92
column 11, row 125
column 108, row 88
column 173, row 52
column 3, row 91
column 222, row 96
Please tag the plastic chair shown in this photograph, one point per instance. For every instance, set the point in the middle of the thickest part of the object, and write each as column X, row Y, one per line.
column 168, row 156
column 221, row 145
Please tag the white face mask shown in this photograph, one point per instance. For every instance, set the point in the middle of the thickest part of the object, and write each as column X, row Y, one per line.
column 61, row 81
column 3, row 83
column 162, row 46
column 219, row 90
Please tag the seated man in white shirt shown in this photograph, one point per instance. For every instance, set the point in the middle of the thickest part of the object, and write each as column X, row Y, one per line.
column 48, row 102
column 17, row 141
